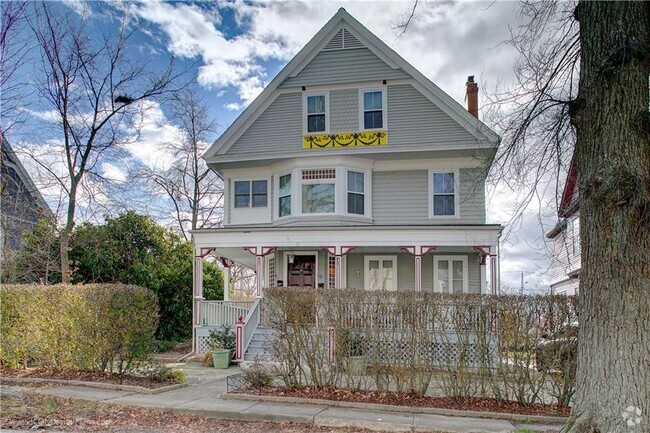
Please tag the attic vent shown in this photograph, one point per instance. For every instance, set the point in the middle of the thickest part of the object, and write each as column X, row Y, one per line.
column 343, row 39
column 350, row 41
column 336, row 43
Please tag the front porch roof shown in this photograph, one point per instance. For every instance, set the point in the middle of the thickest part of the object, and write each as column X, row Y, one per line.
column 236, row 238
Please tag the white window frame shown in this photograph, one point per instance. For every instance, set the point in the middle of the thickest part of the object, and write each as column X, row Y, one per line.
column 384, row 108
column 366, row 192
column 335, row 181
column 449, row 259
column 250, row 194
column 291, row 194
column 366, row 273
column 456, row 173
column 327, row 112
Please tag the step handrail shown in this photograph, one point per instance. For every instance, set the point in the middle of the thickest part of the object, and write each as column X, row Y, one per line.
column 248, row 328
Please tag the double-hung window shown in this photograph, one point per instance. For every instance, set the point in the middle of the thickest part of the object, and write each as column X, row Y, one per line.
column 373, row 109
column 318, row 190
column 444, row 194
column 450, row 274
column 356, row 192
column 316, row 113
column 251, row 193
column 284, row 195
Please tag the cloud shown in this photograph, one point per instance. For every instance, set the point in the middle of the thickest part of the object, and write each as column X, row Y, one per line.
column 113, row 172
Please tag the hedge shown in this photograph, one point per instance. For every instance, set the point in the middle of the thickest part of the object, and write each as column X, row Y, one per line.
column 95, row 327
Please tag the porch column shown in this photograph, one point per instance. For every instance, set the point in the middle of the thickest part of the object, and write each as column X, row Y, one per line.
column 417, row 251
column 197, row 290
column 338, row 252
column 226, row 278
column 259, row 253
column 483, row 253
column 493, row 274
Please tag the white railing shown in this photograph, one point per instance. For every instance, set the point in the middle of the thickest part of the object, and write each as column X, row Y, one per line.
column 217, row 313
column 251, row 322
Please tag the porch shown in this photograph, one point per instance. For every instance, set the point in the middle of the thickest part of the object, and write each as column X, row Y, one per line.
column 446, row 259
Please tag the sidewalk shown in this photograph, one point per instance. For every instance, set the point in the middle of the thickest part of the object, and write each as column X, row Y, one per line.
column 205, row 387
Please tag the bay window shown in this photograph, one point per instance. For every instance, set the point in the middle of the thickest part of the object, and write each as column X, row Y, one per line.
column 356, row 193
column 318, row 191
column 284, row 195
column 251, row 193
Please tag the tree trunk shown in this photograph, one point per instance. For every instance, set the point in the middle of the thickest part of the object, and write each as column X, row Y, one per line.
column 613, row 159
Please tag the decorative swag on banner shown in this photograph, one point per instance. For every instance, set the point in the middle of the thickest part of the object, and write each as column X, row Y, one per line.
column 345, row 139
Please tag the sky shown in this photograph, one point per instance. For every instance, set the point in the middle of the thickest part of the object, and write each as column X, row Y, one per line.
column 233, row 49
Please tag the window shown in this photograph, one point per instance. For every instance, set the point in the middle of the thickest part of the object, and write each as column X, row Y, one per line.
column 450, row 274
column 284, row 195
column 373, row 112
column 356, row 196
column 318, row 190
column 380, row 272
column 316, row 113
column 250, row 193
column 443, row 188
column 575, row 235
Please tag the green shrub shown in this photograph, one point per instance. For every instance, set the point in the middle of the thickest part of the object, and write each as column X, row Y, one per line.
column 99, row 327
column 223, row 338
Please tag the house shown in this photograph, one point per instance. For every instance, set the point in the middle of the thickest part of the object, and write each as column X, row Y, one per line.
column 351, row 170
column 21, row 204
column 565, row 238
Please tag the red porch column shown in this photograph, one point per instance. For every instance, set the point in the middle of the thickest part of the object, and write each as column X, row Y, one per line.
column 239, row 339
column 338, row 252
column 259, row 253
column 417, row 252
column 484, row 253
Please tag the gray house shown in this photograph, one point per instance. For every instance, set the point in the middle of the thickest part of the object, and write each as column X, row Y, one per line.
column 352, row 170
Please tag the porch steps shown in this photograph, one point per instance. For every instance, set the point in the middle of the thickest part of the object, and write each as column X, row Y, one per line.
column 259, row 347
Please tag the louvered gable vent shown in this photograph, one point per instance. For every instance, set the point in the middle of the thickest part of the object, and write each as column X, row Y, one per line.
column 343, row 39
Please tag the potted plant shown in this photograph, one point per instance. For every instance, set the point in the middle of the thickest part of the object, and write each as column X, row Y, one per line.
column 222, row 344
column 353, row 349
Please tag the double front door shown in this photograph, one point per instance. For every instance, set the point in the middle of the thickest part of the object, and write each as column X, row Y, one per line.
column 302, row 272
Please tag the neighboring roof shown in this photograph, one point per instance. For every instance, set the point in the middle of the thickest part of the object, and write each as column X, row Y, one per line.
column 445, row 102
column 9, row 157
column 570, row 202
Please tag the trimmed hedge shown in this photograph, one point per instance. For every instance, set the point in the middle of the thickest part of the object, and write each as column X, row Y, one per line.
column 95, row 327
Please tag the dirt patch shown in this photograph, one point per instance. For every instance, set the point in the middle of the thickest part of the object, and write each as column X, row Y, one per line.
column 413, row 400
column 37, row 412
column 112, row 378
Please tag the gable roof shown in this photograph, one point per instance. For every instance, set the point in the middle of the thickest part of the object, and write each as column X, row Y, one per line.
column 10, row 160
column 324, row 39
column 570, row 202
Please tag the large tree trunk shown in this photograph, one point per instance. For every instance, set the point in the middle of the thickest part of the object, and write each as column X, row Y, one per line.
column 613, row 157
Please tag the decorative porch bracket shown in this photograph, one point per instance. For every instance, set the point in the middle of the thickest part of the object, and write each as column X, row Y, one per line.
column 338, row 253
column 485, row 253
column 417, row 251
column 259, row 253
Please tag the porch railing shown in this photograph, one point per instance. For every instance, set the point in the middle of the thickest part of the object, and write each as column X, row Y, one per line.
column 251, row 322
column 216, row 313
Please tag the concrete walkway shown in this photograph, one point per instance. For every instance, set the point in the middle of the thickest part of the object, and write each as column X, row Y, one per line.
column 205, row 387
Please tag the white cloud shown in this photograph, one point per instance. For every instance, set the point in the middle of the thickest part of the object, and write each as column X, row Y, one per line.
column 113, row 172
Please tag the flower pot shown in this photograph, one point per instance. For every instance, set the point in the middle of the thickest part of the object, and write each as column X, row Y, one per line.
column 221, row 358
column 357, row 365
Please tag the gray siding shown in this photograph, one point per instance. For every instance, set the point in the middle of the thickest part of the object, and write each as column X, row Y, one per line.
column 344, row 110
column 344, row 66
column 415, row 120
column 406, row 271
column 401, row 197
column 278, row 129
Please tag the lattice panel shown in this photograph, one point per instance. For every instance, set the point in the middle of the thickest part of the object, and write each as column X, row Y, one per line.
column 331, row 271
column 202, row 344
column 271, row 280
column 319, row 174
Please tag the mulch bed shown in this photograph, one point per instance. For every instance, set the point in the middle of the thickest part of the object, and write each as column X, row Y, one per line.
column 411, row 399
column 86, row 376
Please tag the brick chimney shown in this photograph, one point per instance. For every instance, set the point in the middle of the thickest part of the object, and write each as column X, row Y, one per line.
column 471, row 96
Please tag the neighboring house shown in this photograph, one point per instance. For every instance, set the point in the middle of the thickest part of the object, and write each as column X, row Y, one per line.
column 352, row 170
column 565, row 237
column 22, row 205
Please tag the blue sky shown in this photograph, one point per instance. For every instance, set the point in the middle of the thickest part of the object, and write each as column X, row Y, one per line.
column 233, row 49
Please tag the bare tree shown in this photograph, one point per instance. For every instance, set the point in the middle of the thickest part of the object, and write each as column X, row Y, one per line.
column 94, row 89
column 194, row 190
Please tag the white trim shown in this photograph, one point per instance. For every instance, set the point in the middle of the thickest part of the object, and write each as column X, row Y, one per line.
column 384, row 107
column 276, row 196
column 456, row 173
column 285, row 265
column 250, row 181
column 306, row 95
column 380, row 258
column 352, row 85
column 449, row 259
column 367, row 191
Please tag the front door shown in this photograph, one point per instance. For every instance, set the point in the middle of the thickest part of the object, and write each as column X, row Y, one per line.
column 302, row 272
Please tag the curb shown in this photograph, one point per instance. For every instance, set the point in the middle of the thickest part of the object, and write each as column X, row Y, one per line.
column 100, row 385
column 540, row 419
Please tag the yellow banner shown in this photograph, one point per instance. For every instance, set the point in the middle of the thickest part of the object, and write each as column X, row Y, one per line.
column 345, row 139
